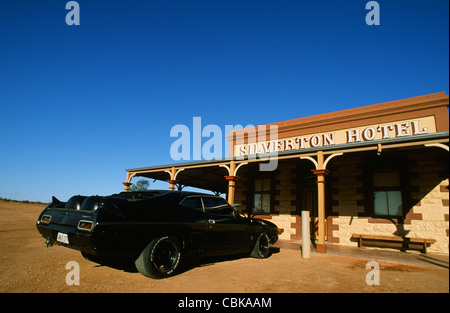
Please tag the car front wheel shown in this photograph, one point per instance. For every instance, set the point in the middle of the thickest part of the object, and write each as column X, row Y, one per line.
column 160, row 259
column 261, row 250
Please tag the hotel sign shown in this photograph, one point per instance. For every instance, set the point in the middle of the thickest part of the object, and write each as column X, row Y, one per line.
column 404, row 128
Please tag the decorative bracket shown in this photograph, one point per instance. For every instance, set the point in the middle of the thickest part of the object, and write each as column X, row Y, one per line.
column 324, row 166
column 439, row 145
column 235, row 170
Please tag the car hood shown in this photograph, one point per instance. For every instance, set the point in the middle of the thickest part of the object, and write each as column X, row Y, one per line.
column 265, row 223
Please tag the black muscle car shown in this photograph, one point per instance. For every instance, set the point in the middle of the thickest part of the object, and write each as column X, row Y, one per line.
column 160, row 230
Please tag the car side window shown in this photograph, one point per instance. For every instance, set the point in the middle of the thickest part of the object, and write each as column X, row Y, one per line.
column 193, row 203
column 218, row 206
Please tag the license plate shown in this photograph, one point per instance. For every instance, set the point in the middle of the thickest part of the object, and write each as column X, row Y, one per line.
column 64, row 238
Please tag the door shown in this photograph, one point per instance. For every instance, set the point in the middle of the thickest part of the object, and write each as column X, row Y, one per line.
column 227, row 233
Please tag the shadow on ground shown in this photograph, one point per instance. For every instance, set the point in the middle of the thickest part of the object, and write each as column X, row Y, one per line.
column 127, row 265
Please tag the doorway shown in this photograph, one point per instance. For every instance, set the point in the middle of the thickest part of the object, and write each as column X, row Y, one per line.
column 309, row 203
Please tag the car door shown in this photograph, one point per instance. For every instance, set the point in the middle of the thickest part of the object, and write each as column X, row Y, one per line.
column 227, row 233
column 197, row 221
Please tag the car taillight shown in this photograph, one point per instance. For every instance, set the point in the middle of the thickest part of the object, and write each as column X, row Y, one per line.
column 85, row 225
column 45, row 219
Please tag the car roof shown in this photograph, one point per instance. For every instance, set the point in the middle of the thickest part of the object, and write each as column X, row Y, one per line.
column 173, row 194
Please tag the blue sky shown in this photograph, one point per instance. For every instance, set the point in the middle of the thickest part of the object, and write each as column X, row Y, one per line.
column 80, row 104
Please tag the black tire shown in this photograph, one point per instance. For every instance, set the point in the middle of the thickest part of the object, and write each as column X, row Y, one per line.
column 261, row 250
column 160, row 259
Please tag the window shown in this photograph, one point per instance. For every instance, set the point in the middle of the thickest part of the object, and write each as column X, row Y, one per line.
column 387, row 190
column 261, row 201
column 387, row 194
column 216, row 205
column 193, row 203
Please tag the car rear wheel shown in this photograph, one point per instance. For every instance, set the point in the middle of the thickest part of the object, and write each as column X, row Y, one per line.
column 261, row 250
column 160, row 259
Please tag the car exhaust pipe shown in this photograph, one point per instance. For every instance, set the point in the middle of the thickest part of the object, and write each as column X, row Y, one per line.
column 49, row 242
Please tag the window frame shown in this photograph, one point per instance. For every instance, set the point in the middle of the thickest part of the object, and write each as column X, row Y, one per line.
column 387, row 189
column 262, row 176
column 203, row 208
column 226, row 204
column 386, row 164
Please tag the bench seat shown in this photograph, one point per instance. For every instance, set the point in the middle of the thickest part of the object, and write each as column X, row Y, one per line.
column 395, row 242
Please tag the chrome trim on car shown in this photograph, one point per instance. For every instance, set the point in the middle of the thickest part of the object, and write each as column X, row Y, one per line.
column 45, row 221
column 85, row 221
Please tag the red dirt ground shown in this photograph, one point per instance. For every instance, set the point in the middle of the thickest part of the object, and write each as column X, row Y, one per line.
column 27, row 266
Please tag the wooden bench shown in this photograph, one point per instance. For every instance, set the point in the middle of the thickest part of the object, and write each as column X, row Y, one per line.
column 395, row 242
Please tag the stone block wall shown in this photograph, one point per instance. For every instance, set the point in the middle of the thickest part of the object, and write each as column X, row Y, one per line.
column 283, row 214
column 428, row 216
column 285, row 197
column 347, row 214
column 430, row 193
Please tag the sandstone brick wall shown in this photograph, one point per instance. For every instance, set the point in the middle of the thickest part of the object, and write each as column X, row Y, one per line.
column 431, row 198
column 346, row 211
column 285, row 201
column 284, row 198
column 428, row 217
